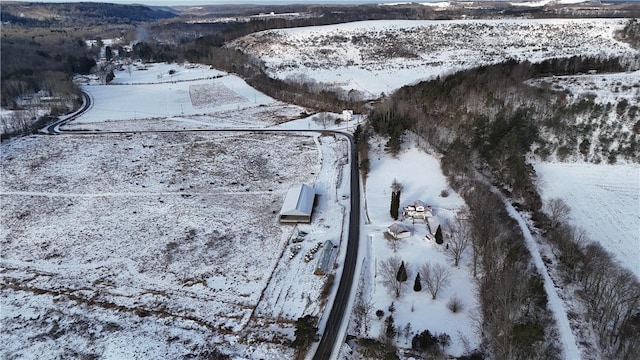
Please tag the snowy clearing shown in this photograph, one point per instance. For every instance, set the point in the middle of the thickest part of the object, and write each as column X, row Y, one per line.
column 603, row 88
column 199, row 98
column 170, row 226
column 422, row 179
column 604, row 201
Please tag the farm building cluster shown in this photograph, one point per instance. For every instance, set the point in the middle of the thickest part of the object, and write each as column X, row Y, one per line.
column 417, row 210
column 298, row 208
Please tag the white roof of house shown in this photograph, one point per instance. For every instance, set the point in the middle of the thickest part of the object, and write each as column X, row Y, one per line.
column 299, row 201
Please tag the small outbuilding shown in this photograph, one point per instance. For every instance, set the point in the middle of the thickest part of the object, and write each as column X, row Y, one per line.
column 434, row 223
column 298, row 204
column 324, row 260
column 398, row 231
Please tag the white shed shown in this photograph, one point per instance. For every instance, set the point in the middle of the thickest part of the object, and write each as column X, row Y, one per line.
column 298, row 204
column 347, row 115
column 398, row 231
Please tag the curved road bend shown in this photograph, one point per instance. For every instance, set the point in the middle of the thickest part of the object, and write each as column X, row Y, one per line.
column 333, row 328
column 54, row 128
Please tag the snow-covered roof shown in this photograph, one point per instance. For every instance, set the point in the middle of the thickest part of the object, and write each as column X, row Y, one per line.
column 299, row 201
column 322, row 266
column 434, row 224
column 397, row 228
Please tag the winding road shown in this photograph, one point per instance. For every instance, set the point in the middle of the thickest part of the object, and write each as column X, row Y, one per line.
column 334, row 331
column 54, row 128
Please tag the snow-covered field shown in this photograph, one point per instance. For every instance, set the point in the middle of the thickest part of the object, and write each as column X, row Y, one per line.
column 381, row 56
column 604, row 198
column 163, row 245
column 604, row 201
column 180, row 96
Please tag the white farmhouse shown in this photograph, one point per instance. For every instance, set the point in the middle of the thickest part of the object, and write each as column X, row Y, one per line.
column 418, row 210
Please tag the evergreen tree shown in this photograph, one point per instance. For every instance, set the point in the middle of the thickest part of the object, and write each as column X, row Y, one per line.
column 395, row 205
column 396, row 189
column 417, row 286
column 305, row 331
column 390, row 327
column 108, row 54
column 402, row 273
column 439, row 239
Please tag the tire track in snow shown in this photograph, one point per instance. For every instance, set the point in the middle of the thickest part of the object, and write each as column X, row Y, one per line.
column 571, row 351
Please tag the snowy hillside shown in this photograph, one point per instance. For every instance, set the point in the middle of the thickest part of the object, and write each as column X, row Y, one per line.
column 605, row 122
column 380, row 56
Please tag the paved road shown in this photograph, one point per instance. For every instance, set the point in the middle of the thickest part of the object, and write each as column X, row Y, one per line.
column 55, row 127
column 333, row 331
column 337, row 315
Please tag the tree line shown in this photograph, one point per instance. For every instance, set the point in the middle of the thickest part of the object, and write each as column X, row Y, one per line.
column 609, row 292
column 491, row 115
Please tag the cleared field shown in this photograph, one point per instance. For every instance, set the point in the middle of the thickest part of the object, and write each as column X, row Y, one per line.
column 604, row 201
column 167, row 239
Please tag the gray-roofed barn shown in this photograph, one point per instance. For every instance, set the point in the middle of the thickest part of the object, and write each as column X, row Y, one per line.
column 298, row 204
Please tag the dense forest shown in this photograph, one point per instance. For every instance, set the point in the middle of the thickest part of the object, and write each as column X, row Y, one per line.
column 74, row 14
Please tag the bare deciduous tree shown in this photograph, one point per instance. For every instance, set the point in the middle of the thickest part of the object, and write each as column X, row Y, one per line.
column 363, row 310
column 436, row 277
column 394, row 242
column 388, row 270
column 485, row 225
column 557, row 210
column 459, row 241
column 569, row 242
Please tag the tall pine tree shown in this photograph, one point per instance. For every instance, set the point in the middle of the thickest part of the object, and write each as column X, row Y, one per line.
column 402, row 273
column 396, row 189
column 439, row 239
column 417, row 285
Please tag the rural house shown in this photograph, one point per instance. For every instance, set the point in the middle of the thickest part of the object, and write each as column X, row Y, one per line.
column 298, row 204
column 418, row 210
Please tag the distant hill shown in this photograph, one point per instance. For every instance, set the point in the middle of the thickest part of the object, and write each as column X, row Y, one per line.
column 63, row 14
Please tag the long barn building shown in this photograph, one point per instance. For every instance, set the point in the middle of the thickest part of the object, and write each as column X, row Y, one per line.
column 298, row 204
